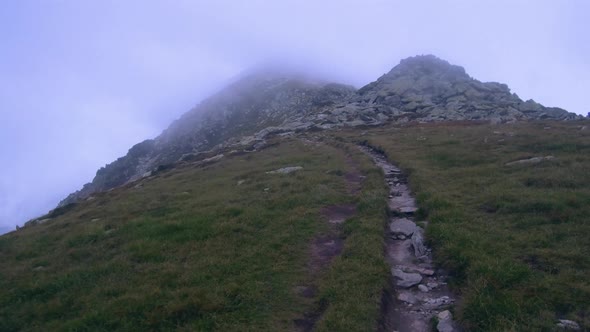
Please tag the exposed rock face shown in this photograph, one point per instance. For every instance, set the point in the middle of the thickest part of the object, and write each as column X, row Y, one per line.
column 244, row 114
column 428, row 88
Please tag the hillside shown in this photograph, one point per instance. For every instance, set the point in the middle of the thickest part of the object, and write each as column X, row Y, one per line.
column 261, row 210
column 422, row 88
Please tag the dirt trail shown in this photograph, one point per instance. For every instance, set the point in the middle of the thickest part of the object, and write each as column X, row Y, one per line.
column 327, row 246
column 420, row 293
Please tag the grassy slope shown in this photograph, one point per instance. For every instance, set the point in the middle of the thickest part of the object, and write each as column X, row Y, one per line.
column 192, row 250
column 517, row 238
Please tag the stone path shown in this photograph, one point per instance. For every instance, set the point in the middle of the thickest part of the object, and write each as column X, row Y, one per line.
column 420, row 291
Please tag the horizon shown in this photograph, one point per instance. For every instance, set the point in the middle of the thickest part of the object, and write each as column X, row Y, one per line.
column 83, row 82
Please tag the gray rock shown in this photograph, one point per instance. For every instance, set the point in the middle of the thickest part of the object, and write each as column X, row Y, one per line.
column 402, row 227
column 566, row 324
column 286, row 170
column 445, row 322
column 423, row 288
column 405, row 280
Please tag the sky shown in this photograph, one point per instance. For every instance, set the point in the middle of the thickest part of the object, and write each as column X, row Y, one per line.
column 81, row 81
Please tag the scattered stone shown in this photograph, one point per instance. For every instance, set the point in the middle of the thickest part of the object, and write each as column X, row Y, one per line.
column 402, row 227
column 432, row 285
column 39, row 268
column 405, row 280
column 567, row 324
column 241, row 182
column 534, row 160
column 584, row 128
column 286, row 170
column 95, row 219
column 407, row 297
column 266, row 190
column 42, row 221
column 90, row 198
column 423, row 288
column 445, row 322
column 438, row 302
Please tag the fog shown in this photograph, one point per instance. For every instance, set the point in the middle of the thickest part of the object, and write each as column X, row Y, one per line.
column 82, row 81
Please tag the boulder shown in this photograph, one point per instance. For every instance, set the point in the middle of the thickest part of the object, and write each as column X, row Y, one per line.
column 405, row 280
column 445, row 322
column 402, row 227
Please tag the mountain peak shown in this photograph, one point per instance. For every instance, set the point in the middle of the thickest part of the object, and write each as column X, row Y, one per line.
column 428, row 65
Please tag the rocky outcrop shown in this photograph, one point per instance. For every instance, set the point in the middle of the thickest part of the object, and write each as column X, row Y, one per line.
column 431, row 89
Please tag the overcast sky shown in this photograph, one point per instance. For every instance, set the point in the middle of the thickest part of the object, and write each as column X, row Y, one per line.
column 81, row 81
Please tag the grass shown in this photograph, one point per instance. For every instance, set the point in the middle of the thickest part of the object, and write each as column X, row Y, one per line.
column 515, row 238
column 192, row 250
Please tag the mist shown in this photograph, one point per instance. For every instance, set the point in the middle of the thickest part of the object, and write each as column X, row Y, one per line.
column 82, row 81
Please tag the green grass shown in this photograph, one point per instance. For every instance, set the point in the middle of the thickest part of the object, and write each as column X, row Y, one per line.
column 515, row 238
column 193, row 250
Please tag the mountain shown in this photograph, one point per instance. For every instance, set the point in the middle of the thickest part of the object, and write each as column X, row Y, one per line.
column 421, row 88
column 286, row 203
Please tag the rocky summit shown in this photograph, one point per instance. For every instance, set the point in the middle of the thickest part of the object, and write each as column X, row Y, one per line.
column 421, row 88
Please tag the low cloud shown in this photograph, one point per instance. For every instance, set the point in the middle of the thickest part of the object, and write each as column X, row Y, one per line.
column 82, row 81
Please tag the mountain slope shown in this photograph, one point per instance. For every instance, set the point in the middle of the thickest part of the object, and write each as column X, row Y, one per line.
column 248, row 213
column 217, row 247
column 422, row 88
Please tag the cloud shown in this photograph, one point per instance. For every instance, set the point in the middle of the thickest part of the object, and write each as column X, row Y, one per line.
column 82, row 81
